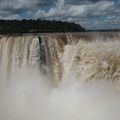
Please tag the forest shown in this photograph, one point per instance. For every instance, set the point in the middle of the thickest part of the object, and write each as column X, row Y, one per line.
column 37, row 26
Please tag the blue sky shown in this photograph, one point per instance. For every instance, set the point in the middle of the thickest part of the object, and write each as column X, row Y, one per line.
column 91, row 14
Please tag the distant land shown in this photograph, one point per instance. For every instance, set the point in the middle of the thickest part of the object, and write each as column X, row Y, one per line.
column 104, row 30
column 38, row 26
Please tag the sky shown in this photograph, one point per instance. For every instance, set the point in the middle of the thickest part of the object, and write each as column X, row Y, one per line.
column 91, row 14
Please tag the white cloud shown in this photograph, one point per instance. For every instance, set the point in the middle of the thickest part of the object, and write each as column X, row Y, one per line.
column 13, row 7
column 11, row 17
column 83, row 10
column 74, row 13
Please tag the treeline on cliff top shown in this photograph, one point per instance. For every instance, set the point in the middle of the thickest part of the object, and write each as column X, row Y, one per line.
column 37, row 26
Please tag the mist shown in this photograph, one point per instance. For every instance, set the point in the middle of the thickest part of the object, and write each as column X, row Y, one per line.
column 30, row 95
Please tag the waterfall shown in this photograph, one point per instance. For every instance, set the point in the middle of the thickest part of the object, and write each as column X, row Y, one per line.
column 60, row 76
column 83, row 55
column 20, row 51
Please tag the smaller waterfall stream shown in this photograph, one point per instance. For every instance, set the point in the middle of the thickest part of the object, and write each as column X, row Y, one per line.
column 17, row 52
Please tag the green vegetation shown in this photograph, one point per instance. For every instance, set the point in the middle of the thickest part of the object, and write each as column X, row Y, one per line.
column 37, row 26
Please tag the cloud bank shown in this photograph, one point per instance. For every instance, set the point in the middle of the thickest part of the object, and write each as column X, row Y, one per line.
column 92, row 14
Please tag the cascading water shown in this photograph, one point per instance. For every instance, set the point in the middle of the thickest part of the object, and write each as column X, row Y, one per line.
column 61, row 53
column 82, row 67
column 17, row 52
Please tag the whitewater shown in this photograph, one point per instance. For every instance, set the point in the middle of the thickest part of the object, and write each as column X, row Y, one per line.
column 72, row 76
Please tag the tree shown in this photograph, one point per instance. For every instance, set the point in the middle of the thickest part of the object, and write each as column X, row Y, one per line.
column 37, row 26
